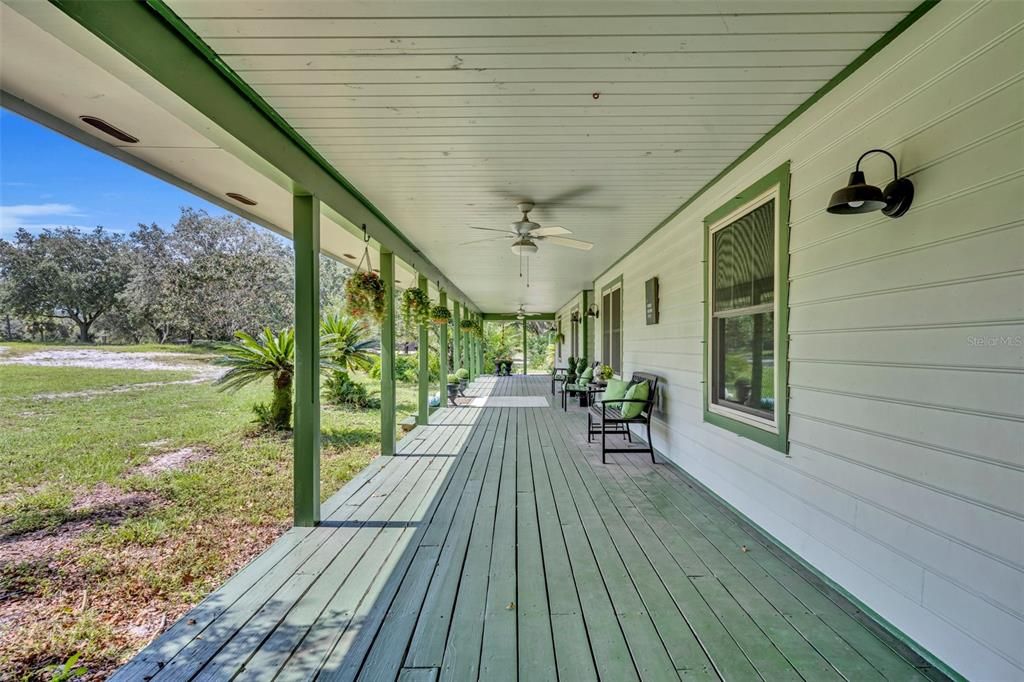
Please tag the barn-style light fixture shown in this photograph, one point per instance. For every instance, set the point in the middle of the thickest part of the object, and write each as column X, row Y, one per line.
column 860, row 197
column 593, row 311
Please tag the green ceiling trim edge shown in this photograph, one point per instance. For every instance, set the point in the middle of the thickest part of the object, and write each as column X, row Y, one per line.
column 862, row 59
column 143, row 31
column 511, row 317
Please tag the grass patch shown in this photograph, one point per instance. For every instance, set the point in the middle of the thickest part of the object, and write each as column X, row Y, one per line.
column 119, row 580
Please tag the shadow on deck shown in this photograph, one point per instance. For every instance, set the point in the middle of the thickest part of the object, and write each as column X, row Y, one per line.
column 496, row 546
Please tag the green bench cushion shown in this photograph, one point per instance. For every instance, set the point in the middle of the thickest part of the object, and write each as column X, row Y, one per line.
column 640, row 391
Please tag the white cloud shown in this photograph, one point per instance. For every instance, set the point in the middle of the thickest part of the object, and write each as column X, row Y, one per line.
column 34, row 216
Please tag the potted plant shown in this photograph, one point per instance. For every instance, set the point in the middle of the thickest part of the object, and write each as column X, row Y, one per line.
column 364, row 295
column 440, row 315
column 453, row 388
column 468, row 327
column 462, row 374
column 604, row 373
column 415, row 306
column 570, row 370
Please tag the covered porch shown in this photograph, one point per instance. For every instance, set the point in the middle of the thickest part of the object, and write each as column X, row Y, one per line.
column 838, row 413
column 494, row 545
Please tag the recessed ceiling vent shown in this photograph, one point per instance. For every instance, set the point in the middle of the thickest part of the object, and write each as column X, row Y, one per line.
column 103, row 126
column 240, row 198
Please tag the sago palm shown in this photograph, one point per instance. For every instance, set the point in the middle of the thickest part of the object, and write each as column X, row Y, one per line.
column 251, row 360
column 270, row 354
column 347, row 341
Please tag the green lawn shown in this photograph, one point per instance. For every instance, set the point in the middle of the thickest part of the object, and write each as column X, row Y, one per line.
column 110, row 554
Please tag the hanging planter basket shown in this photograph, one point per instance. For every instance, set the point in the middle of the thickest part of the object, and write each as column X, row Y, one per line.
column 364, row 295
column 468, row 327
column 415, row 306
column 440, row 315
column 364, row 289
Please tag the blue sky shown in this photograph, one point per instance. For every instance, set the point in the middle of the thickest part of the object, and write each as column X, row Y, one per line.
column 48, row 180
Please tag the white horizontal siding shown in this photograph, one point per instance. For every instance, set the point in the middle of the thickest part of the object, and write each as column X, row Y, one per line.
column 905, row 477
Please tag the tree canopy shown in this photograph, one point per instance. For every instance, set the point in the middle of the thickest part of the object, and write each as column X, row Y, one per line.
column 64, row 273
column 204, row 278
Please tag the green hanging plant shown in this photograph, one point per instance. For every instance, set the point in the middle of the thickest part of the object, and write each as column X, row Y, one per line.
column 440, row 315
column 468, row 327
column 415, row 306
column 364, row 295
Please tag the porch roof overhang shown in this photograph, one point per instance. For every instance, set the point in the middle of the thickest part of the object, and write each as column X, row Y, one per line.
column 421, row 119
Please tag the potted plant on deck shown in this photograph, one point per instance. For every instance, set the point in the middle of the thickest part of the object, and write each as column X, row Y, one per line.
column 462, row 375
column 604, row 373
column 570, row 370
column 453, row 388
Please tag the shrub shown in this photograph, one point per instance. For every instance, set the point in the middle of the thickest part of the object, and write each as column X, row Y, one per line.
column 453, row 379
column 340, row 389
column 462, row 374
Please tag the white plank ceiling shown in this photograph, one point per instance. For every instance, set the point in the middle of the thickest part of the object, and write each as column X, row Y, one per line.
column 607, row 114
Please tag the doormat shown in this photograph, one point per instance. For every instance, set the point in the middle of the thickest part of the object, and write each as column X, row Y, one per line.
column 509, row 401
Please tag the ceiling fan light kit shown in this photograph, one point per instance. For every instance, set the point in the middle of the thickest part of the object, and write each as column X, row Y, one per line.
column 526, row 234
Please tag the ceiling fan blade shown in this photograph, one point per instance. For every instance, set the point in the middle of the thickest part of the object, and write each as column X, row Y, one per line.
column 487, row 229
column 571, row 243
column 488, row 239
column 549, row 231
column 568, row 195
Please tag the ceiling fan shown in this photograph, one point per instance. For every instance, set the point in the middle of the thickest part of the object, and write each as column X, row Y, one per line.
column 527, row 233
column 521, row 314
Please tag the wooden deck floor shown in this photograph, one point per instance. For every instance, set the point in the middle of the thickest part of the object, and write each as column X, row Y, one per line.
column 496, row 546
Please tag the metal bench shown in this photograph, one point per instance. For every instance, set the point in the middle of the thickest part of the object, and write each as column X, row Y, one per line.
column 603, row 419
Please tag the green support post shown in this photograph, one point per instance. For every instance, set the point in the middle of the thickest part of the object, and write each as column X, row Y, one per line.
column 423, row 409
column 306, row 436
column 586, row 326
column 442, row 346
column 524, row 347
column 456, row 336
column 387, row 355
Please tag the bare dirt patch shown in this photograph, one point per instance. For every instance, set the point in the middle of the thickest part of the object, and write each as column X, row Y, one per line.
column 102, row 505
column 91, row 358
column 173, row 460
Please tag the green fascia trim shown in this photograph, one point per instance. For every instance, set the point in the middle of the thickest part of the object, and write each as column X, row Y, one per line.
column 893, row 631
column 862, row 59
column 505, row 317
column 780, row 440
column 149, row 34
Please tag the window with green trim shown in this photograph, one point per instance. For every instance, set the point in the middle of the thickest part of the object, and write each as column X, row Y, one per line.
column 611, row 325
column 745, row 367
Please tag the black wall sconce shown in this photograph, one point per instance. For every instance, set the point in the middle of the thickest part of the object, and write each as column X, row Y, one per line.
column 593, row 311
column 860, row 197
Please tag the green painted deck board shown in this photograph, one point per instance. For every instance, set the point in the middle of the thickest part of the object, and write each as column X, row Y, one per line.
column 495, row 545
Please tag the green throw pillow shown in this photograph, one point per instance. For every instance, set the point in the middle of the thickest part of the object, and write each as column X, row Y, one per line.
column 587, row 376
column 636, row 392
column 615, row 389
